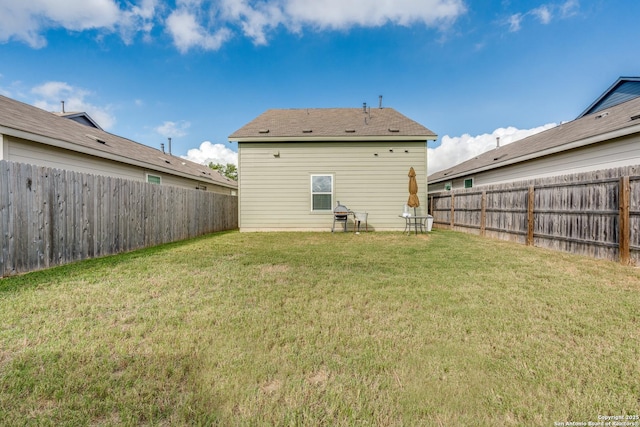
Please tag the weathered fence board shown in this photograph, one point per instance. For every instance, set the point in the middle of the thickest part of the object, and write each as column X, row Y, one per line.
column 50, row 217
column 595, row 214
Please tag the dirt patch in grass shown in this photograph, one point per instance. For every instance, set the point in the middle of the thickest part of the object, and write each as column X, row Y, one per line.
column 318, row 378
column 271, row 386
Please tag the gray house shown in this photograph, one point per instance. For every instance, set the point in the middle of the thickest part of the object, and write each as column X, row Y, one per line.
column 296, row 164
column 73, row 141
column 606, row 135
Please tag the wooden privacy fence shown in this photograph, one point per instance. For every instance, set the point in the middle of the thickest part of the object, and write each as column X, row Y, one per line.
column 52, row 217
column 590, row 214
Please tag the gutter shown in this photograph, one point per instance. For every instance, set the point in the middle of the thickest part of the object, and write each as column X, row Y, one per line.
column 336, row 138
column 553, row 150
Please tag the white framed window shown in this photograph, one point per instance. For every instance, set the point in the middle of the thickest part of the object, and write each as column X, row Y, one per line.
column 321, row 192
column 468, row 183
column 447, row 186
column 153, row 179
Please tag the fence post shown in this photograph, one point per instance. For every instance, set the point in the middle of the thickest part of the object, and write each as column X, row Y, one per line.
column 624, row 221
column 483, row 214
column 530, row 217
column 452, row 211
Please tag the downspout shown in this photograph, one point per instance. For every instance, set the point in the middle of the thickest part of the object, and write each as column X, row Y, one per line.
column 1, row 146
column 426, row 174
column 239, row 190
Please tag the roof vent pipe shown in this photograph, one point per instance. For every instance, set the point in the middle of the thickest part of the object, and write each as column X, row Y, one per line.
column 62, row 102
column 497, row 142
column 162, row 147
column 380, row 102
column 169, row 145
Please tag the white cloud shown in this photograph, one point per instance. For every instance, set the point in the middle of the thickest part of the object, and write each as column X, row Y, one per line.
column 257, row 18
column 192, row 25
column 51, row 93
column 173, row 129
column 569, row 8
column 187, row 32
column 25, row 20
column 455, row 150
column 140, row 18
column 207, row 24
column 254, row 20
column 545, row 14
column 515, row 22
column 212, row 153
column 340, row 14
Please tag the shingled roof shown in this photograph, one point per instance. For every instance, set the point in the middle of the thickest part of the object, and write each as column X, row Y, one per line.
column 31, row 123
column 332, row 124
column 619, row 120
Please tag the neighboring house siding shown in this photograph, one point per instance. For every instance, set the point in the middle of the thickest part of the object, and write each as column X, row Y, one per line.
column 275, row 190
column 24, row 151
column 604, row 155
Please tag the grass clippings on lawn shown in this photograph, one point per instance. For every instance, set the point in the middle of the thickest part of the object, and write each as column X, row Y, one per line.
column 322, row 329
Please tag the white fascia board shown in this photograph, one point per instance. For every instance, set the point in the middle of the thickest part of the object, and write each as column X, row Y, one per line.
column 101, row 154
column 553, row 150
column 417, row 138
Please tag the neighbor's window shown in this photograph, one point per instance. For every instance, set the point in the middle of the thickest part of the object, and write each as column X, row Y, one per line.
column 447, row 186
column 321, row 192
column 468, row 183
column 153, row 179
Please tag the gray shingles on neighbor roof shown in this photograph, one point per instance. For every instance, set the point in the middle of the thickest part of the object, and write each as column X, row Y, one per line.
column 624, row 118
column 332, row 124
column 25, row 121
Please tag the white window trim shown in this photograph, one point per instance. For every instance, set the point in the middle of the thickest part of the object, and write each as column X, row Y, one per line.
column 147, row 175
column 311, row 193
column 464, row 183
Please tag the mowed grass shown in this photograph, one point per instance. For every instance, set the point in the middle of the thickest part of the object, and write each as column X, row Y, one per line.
column 322, row 329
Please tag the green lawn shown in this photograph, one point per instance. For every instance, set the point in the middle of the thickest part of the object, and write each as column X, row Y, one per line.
column 322, row 329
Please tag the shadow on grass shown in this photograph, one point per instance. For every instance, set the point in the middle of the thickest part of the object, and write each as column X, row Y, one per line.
column 53, row 275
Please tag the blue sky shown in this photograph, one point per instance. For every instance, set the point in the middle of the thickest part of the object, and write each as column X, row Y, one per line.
column 197, row 70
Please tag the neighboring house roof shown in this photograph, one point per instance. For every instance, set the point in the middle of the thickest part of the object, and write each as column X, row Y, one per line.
column 31, row 123
column 623, row 90
column 332, row 124
column 80, row 117
column 617, row 121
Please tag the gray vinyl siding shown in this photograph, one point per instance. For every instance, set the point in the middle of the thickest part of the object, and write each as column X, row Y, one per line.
column 23, row 151
column 604, row 155
column 275, row 191
column 623, row 93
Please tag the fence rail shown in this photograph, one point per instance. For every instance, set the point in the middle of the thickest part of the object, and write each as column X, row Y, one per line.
column 51, row 217
column 595, row 214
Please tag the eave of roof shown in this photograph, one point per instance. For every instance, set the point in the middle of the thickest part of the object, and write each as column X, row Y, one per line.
column 338, row 139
